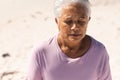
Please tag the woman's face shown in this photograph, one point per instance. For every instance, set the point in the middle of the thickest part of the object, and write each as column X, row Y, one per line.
column 72, row 23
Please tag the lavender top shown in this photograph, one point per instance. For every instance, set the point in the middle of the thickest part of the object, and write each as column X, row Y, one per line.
column 48, row 62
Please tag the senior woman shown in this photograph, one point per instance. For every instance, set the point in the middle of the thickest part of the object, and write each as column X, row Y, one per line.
column 71, row 54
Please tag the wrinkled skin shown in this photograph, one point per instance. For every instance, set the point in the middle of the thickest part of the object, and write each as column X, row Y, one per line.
column 72, row 25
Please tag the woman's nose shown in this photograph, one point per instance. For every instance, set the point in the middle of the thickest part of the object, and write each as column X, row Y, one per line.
column 74, row 26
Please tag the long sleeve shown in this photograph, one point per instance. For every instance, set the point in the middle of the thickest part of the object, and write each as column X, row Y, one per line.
column 34, row 69
column 105, row 73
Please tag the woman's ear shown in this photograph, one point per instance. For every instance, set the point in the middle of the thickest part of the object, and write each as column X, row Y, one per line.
column 56, row 20
column 89, row 18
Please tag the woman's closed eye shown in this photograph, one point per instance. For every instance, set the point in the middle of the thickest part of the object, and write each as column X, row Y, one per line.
column 81, row 22
column 69, row 22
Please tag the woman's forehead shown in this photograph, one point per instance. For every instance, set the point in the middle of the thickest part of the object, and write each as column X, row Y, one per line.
column 79, row 17
column 74, row 18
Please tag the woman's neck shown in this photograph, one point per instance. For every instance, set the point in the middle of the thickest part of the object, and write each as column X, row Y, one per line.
column 74, row 49
column 69, row 44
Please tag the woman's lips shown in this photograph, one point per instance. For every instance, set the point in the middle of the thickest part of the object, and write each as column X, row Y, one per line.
column 74, row 35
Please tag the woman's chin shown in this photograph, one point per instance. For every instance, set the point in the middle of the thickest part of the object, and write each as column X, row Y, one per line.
column 74, row 40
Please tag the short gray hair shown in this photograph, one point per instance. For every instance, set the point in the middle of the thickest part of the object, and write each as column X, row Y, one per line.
column 58, row 5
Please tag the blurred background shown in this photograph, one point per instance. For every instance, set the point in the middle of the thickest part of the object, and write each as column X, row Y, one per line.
column 24, row 23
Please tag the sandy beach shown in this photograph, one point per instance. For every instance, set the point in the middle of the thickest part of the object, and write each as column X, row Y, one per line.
column 24, row 23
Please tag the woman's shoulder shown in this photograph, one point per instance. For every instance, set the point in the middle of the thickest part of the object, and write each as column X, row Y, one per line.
column 42, row 45
column 97, row 44
column 99, row 48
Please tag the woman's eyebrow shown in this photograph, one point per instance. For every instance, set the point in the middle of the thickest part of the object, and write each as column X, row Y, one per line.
column 83, row 18
column 68, row 17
